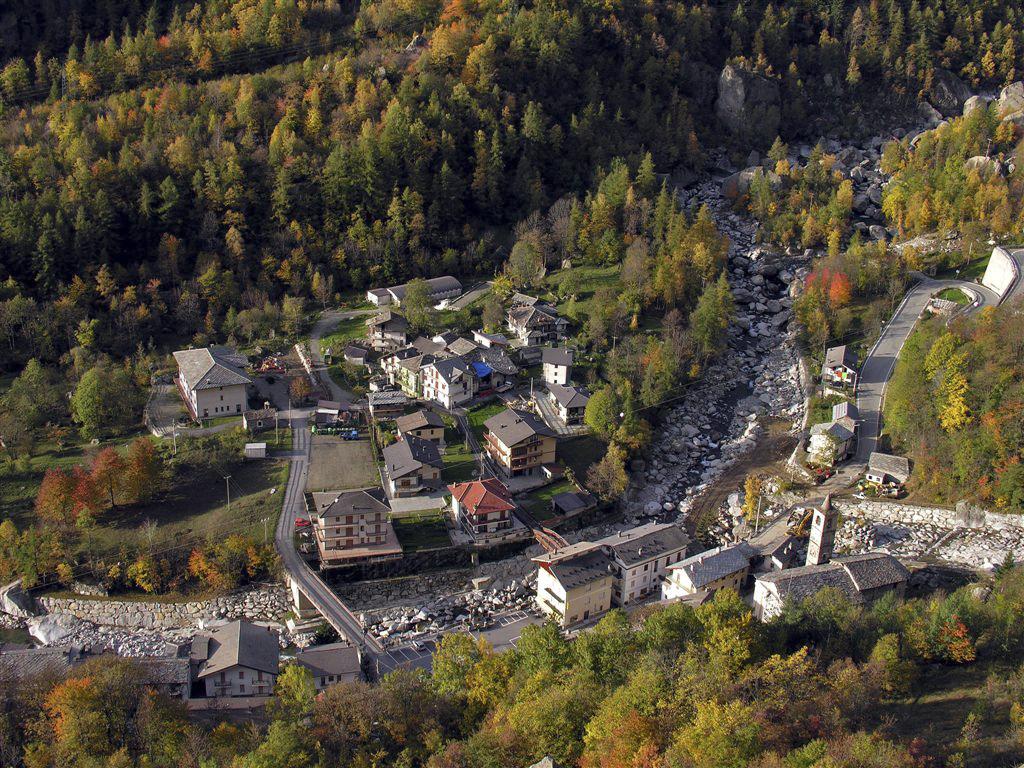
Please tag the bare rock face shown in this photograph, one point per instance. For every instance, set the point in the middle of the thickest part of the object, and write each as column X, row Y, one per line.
column 738, row 184
column 748, row 105
column 1011, row 98
column 976, row 102
column 985, row 166
column 948, row 92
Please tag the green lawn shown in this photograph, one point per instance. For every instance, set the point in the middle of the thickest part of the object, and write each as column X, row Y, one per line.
column 219, row 420
column 459, row 464
column 422, row 531
column 538, row 502
column 955, row 295
column 197, row 507
column 481, row 413
column 346, row 331
column 974, row 270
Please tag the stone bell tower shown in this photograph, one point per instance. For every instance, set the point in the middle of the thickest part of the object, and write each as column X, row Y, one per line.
column 822, row 539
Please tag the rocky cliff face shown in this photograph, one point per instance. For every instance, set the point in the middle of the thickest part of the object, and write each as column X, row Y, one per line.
column 948, row 93
column 748, row 105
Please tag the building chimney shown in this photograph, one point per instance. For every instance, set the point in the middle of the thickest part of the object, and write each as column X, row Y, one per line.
column 822, row 541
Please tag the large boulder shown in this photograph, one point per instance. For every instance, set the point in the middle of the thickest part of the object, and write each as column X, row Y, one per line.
column 948, row 92
column 976, row 102
column 985, row 166
column 1011, row 98
column 738, row 184
column 748, row 104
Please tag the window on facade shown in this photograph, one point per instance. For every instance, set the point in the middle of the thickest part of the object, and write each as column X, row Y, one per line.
column 241, row 674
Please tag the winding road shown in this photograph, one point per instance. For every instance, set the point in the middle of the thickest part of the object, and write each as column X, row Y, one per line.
column 881, row 359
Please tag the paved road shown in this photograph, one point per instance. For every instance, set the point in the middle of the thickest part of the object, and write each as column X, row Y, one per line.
column 881, row 360
column 328, row 320
column 470, row 296
column 320, row 595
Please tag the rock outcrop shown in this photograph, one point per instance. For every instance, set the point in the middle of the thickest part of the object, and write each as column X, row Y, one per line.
column 976, row 102
column 985, row 166
column 748, row 105
column 738, row 184
column 948, row 93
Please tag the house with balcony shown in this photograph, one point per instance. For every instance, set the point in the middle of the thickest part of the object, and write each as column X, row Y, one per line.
column 839, row 369
column 387, row 330
column 353, row 527
column 449, row 382
column 574, row 584
column 641, row 558
column 536, row 324
column 412, row 465
column 483, row 508
column 237, row 659
column 519, row 443
column 725, row 567
column 570, row 403
column 331, row 663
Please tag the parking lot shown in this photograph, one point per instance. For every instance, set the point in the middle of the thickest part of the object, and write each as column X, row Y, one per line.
column 415, row 656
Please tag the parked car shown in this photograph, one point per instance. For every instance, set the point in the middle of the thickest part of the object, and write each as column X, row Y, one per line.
column 301, row 522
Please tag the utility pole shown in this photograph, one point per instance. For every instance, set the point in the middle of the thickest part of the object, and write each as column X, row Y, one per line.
column 227, row 484
column 174, row 434
column 757, row 519
column 265, row 520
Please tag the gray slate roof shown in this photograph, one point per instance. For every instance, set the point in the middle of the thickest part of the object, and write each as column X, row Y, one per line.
column 409, row 455
column 462, row 346
column 241, row 644
column 419, row 420
column 390, row 318
column 452, row 368
column 570, row 501
column 530, row 317
column 436, row 285
column 840, row 356
column 714, row 564
column 496, row 358
column 362, row 502
column 569, row 397
column 513, row 426
column 845, row 410
column 591, row 565
column 25, row 663
column 894, row 466
column 645, row 542
column 210, row 367
column 834, row 428
column 330, row 659
column 850, row 575
column 556, row 356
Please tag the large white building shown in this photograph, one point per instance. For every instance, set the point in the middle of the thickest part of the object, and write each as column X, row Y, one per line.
column 441, row 288
column 212, row 382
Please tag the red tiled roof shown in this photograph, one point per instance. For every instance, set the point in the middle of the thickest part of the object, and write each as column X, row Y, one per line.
column 482, row 496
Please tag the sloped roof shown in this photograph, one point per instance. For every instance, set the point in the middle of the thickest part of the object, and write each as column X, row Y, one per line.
column 241, row 644
column 840, row 356
column 833, row 428
column 714, row 564
column 584, row 568
column 340, row 503
column 409, row 455
column 451, row 368
column 556, row 356
column 569, row 397
column 645, row 542
column 845, row 410
column 462, row 346
column 570, row 501
column 850, row 575
column 210, row 367
column 436, row 285
column 421, row 419
column 538, row 314
column 512, row 426
column 330, row 659
column 482, row 496
column 496, row 358
column 894, row 466
column 388, row 317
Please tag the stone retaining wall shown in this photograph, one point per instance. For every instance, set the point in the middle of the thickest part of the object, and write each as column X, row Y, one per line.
column 963, row 516
column 268, row 603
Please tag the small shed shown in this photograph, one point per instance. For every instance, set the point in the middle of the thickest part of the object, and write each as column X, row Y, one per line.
column 255, row 450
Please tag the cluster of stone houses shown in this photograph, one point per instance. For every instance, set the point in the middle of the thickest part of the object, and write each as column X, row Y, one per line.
column 236, row 660
column 582, row 581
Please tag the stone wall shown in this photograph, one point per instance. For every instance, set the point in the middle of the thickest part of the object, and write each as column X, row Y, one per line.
column 963, row 516
column 267, row 603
